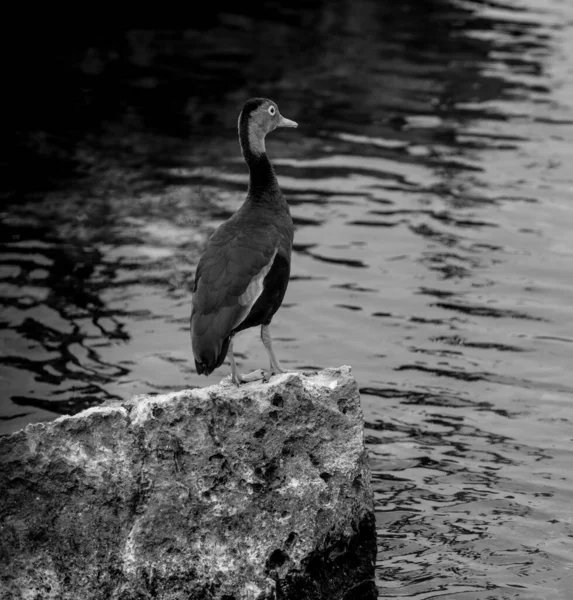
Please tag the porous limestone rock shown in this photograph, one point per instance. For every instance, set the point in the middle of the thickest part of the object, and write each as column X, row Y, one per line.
column 253, row 492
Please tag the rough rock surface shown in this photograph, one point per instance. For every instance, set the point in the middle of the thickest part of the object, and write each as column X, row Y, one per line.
column 228, row 493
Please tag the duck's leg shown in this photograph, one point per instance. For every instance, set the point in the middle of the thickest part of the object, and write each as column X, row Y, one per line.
column 236, row 377
column 268, row 344
column 275, row 366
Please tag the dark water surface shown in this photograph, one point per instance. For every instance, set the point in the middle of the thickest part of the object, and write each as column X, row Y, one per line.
column 431, row 182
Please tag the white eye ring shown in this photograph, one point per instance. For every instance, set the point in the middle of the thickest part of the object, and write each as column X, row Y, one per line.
column 272, row 110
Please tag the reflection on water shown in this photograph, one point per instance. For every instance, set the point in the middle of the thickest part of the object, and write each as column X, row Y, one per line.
column 430, row 185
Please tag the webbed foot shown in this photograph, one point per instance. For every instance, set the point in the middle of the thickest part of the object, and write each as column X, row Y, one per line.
column 257, row 375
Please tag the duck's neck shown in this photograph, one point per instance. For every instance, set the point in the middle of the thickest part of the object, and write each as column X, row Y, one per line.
column 262, row 175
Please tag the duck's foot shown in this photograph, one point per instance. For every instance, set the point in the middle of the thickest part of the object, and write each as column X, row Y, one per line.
column 264, row 375
column 257, row 375
column 270, row 373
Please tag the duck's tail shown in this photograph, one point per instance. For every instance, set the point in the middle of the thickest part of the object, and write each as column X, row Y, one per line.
column 209, row 357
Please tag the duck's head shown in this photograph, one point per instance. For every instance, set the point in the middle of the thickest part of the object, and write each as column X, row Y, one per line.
column 259, row 117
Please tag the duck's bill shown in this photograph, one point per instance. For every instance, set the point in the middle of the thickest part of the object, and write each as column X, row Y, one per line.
column 287, row 123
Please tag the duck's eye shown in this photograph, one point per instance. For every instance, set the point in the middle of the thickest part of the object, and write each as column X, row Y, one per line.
column 272, row 110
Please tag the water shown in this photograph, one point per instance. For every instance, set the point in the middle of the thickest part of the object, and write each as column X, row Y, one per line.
column 430, row 181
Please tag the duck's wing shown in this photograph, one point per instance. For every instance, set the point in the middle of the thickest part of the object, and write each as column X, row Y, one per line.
column 228, row 281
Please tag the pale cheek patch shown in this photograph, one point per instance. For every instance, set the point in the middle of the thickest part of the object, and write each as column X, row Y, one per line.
column 256, row 139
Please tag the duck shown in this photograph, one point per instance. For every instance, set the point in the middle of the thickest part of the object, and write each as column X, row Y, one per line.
column 243, row 272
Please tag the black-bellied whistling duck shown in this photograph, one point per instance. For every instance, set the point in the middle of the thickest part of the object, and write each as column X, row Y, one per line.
column 243, row 273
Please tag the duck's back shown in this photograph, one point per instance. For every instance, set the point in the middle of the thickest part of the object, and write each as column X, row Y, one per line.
column 242, row 276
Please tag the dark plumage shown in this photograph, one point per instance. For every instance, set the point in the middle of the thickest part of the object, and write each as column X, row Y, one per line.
column 243, row 273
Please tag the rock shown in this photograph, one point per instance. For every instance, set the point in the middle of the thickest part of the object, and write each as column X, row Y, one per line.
column 256, row 492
